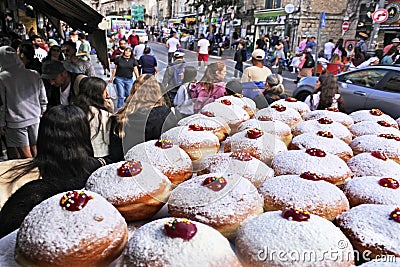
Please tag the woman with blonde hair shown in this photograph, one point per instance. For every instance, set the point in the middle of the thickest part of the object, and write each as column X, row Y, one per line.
column 210, row 87
column 144, row 116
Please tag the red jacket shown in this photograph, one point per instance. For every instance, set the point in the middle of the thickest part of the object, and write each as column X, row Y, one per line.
column 133, row 40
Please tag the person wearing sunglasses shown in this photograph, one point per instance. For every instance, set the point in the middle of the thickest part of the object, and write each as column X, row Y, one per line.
column 54, row 54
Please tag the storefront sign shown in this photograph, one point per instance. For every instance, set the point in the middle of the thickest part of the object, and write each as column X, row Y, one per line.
column 392, row 22
column 270, row 16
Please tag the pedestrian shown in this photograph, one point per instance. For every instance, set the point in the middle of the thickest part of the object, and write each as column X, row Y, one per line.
column 388, row 58
column 262, row 43
column 257, row 72
column 357, row 57
column 328, row 49
column 73, row 63
column 84, row 48
column 274, row 89
column 362, row 45
column 26, row 53
column 279, row 53
column 302, row 45
column 119, row 51
column 172, row 44
column 240, row 57
column 173, row 75
column 37, row 42
column 148, row 63
column 306, row 66
column 311, row 44
column 183, row 102
column 395, row 42
column 125, row 67
column 133, row 39
column 339, row 49
column 203, row 46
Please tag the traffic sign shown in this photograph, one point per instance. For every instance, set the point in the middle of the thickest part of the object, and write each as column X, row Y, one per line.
column 380, row 15
column 322, row 23
column 345, row 25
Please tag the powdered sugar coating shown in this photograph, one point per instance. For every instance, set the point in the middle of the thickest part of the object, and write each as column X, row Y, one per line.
column 171, row 160
column 336, row 128
column 243, row 102
column 330, row 167
column 49, row 231
column 290, row 116
column 370, row 225
column 277, row 128
column 254, row 170
column 294, row 191
column 299, row 106
column 369, row 143
column 369, row 191
column 149, row 246
column 209, row 123
column 228, row 205
column 184, row 137
column 264, row 148
column 340, row 117
column 273, row 232
column 371, row 128
column 331, row 145
column 232, row 114
column 365, row 164
column 365, row 115
column 398, row 122
column 118, row 190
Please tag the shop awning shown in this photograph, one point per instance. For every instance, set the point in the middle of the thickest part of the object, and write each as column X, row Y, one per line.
column 269, row 13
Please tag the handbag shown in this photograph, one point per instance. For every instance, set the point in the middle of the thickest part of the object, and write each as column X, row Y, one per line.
column 111, row 90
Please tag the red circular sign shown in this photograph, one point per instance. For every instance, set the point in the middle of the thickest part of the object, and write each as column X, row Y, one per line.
column 380, row 15
column 345, row 26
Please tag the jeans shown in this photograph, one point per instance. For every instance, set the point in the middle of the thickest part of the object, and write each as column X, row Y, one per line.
column 123, row 86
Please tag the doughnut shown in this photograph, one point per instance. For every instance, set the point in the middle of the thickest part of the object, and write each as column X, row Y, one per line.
column 372, row 115
column 291, row 102
column 222, row 201
column 332, row 113
column 172, row 242
column 245, row 103
column 333, row 169
column 240, row 163
column 323, row 140
column 286, row 238
column 278, row 128
column 373, row 128
column 75, row 228
column 374, row 163
column 261, row 145
column 170, row 159
column 217, row 125
column 234, row 115
column 324, row 124
column 373, row 228
column 280, row 113
column 373, row 190
column 137, row 189
column 387, row 143
column 194, row 140
column 307, row 191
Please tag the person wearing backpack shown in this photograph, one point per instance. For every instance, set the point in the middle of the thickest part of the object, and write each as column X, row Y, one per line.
column 174, row 74
column 183, row 102
column 240, row 57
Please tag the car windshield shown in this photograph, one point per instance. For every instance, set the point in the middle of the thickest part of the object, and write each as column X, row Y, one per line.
column 367, row 78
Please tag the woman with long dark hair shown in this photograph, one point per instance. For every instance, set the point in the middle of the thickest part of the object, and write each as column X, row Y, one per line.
column 64, row 160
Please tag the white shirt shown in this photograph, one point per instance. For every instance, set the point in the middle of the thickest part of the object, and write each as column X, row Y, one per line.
column 203, row 44
column 138, row 51
column 40, row 54
column 64, row 95
column 172, row 44
column 316, row 97
column 328, row 47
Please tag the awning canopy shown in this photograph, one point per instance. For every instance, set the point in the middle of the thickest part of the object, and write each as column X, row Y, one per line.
column 78, row 15
column 269, row 13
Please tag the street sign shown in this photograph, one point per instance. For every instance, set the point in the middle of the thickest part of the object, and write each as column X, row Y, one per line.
column 345, row 25
column 323, row 20
column 380, row 15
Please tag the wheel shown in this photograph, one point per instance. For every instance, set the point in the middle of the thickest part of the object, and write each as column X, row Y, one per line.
column 301, row 96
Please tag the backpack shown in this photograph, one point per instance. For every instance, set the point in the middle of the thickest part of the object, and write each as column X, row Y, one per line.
column 178, row 74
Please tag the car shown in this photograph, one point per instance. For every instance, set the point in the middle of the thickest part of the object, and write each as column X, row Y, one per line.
column 142, row 35
column 372, row 87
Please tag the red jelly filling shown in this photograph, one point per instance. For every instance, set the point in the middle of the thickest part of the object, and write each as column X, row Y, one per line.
column 376, row 112
column 389, row 182
column 214, row 183
column 312, row 176
column 325, row 134
column 384, row 124
column 291, row 99
column 294, row 214
column 164, row 143
column 180, row 228
column 195, row 127
column 332, row 109
column 279, row 108
column 208, row 113
column 254, row 133
column 395, row 215
column 379, row 155
column 242, row 156
column 390, row 136
column 264, row 118
column 226, row 102
column 74, row 200
column 325, row 120
column 316, row 152
column 130, row 168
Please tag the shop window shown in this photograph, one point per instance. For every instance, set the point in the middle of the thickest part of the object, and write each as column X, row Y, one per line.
column 269, row 4
column 278, row 4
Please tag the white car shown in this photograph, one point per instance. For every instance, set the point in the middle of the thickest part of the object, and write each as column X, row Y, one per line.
column 142, row 35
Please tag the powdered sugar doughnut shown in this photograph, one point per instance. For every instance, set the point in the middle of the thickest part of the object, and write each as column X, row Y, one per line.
column 245, row 103
column 372, row 190
column 333, row 114
column 387, row 143
column 324, row 124
column 170, row 159
column 234, row 115
column 278, row 128
column 137, row 189
column 373, row 164
column 330, row 167
column 222, row 201
column 295, row 104
column 324, row 141
column 372, row 115
column 307, row 191
column 76, row 228
column 260, row 145
column 217, row 125
column 372, row 227
column 373, row 128
column 280, row 113
column 173, row 242
column 194, row 139
column 272, row 240
column 240, row 163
